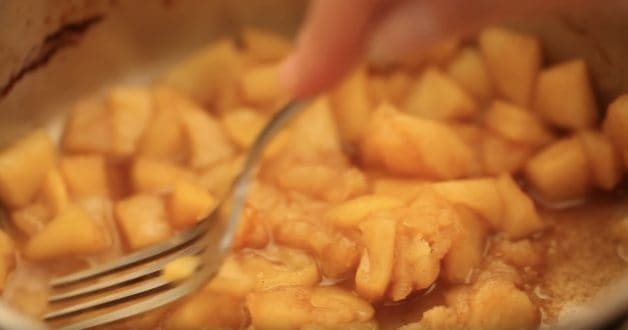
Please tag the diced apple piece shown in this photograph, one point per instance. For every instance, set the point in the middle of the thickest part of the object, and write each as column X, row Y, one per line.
column 416, row 266
column 152, row 176
column 282, row 308
column 520, row 253
column 85, row 176
column 88, row 129
column 314, row 132
column 560, row 172
column 189, row 204
column 517, row 124
column 564, row 96
column 408, row 145
column 513, row 60
column 436, row 96
column 376, row 265
column 402, row 189
column 180, row 268
column 219, row 178
column 163, row 136
column 251, row 232
column 469, row 71
column 142, row 220
column 54, row 193
column 192, row 313
column 260, row 86
column 520, row 218
column 352, row 105
column 350, row 213
column 243, row 126
column 209, row 73
column 7, row 257
column 71, row 233
column 435, row 318
column 500, row 305
column 31, row 219
column 334, row 306
column 616, row 126
column 499, row 155
column 265, row 45
column 480, row 195
column 23, row 167
column 604, row 160
column 208, row 142
column 467, row 251
column 280, row 268
column 131, row 108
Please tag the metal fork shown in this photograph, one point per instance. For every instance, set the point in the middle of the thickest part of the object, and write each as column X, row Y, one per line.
column 132, row 284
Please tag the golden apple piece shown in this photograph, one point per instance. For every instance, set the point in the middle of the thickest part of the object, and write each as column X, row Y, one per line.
column 500, row 305
column 85, row 176
column 260, row 85
column 131, row 108
column 376, row 265
column 415, row 267
column 517, row 124
column 209, row 73
column 334, row 306
column 243, row 125
column 314, row 132
column 180, row 268
column 71, row 233
column 31, row 219
column 281, row 308
column 265, row 46
column 188, row 204
column 88, row 128
column 616, row 126
column 153, row 176
column 54, row 193
column 480, row 195
column 520, row 216
column 218, row 179
column 466, row 252
column 468, row 69
column 564, row 96
column 402, row 189
column 350, row 213
column 513, row 60
column 191, row 313
column 142, row 220
column 23, row 167
column 436, row 96
column 208, row 142
column 163, row 136
column 499, row 155
column 605, row 161
column 283, row 267
column 352, row 105
column 252, row 231
column 560, row 172
column 408, row 145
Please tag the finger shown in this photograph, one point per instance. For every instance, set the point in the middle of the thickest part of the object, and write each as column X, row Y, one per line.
column 331, row 41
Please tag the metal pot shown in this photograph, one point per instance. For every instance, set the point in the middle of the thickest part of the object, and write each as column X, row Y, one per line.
column 54, row 51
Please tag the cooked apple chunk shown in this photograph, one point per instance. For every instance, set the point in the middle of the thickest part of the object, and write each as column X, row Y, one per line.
column 517, row 124
column 560, row 172
column 408, row 145
column 520, row 218
column 23, row 167
column 71, row 233
column 152, row 176
column 564, row 96
column 131, row 108
column 264, row 46
column 467, row 251
column 469, row 70
column 88, row 129
column 260, row 86
column 605, row 161
column 31, row 219
column 480, row 195
column 143, row 220
column 85, row 176
column 376, row 265
column 616, row 126
column 513, row 60
column 54, row 193
column 436, row 96
column 189, row 204
column 352, row 212
column 352, row 105
column 499, row 155
column 500, row 305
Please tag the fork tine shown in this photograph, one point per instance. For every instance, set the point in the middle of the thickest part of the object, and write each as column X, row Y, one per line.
column 129, row 260
column 150, row 269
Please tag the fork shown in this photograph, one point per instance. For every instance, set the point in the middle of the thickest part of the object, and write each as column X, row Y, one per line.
column 132, row 284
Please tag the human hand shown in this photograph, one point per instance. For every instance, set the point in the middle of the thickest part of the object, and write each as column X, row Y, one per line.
column 337, row 33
